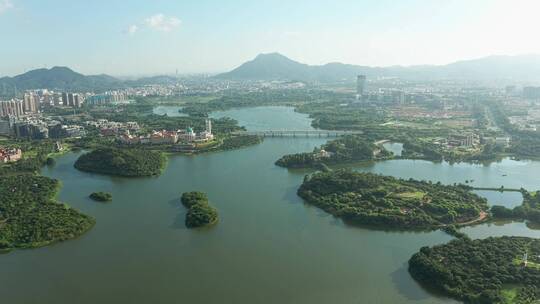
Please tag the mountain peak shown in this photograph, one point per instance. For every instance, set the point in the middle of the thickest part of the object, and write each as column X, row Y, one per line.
column 271, row 55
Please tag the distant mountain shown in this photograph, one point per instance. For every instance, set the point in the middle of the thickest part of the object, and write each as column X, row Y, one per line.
column 60, row 78
column 160, row 79
column 275, row 66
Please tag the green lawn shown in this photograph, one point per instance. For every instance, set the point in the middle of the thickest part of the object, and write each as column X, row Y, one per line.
column 509, row 293
column 410, row 195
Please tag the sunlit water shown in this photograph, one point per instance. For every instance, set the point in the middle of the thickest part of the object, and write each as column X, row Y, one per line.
column 268, row 247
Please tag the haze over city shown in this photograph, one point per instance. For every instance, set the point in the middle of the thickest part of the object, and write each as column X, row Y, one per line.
column 157, row 37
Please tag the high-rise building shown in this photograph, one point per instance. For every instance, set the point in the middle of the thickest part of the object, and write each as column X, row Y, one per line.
column 71, row 100
column 360, row 85
column 398, row 96
column 14, row 107
column 77, row 100
column 208, row 126
column 531, row 92
column 64, row 98
column 31, row 102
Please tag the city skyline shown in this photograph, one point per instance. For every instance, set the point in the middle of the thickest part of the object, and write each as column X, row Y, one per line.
column 145, row 38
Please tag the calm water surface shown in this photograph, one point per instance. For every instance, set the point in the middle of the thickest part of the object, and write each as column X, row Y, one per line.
column 171, row 111
column 268, row 247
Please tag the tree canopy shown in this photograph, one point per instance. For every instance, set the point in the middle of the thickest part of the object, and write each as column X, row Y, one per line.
column 481, row 271
column 366, row 198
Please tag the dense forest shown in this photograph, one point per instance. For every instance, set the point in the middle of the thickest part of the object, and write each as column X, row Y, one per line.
column 235, row 142
column 122, row 162
column 370, row 199
column 482, row 271
column 29, row 215
column 351, row 148
column 200, row 213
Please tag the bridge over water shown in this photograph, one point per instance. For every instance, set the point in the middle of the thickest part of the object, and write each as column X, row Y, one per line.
column 298, row 133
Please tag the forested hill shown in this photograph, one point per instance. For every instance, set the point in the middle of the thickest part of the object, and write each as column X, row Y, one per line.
column 61, row 78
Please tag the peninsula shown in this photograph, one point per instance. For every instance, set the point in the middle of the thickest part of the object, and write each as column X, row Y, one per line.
column 370, row 199
column 492, row 270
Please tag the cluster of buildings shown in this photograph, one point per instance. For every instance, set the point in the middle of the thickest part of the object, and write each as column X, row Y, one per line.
column 38, row 127
column 169, row 137
column 529, row 121
column 30, row 104
column 107, row 98
column 470, row 141
column 463, row 140
column 111, row 128
column 10, row 155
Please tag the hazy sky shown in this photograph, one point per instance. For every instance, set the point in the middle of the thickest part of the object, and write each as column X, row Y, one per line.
column 136, row 37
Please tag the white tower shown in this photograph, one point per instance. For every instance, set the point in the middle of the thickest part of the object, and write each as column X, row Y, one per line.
column 209, row 126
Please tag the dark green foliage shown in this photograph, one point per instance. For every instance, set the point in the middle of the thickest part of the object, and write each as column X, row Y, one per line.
column 50, row 161
column 235, row 142
column 501, row 212
column 200, row 213
column 453, row 231
column 350, row 148
column 529, row 210
column 191, row 198
column 29, row 216
column 122, row 162
column 476, row 271
column 370, row 199
column 101, row 196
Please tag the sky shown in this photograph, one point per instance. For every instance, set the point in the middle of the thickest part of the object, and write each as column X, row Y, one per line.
column 149, row 37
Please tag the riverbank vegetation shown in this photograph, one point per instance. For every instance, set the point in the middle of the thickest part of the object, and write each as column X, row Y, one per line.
column 370, row 199
column 30, row 217
column 347, row 149
column 492, row 270
column 529, row 209
column 240, row 141
column 122, row 162
column 200, row 213
column 101, row 196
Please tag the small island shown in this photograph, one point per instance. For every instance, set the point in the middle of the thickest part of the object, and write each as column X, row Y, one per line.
column 200, row 213
column 348, row 149
column 122, row 162
column 101, row 196
column 384, row 201
column 30, row 217
column 493, row 270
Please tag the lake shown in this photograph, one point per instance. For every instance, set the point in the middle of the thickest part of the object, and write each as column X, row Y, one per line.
column 171, row 111
column 269, row 247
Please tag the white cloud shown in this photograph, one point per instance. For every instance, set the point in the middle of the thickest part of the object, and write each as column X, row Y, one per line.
column 162, row 23
column 132, row 29
column 5, row 5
